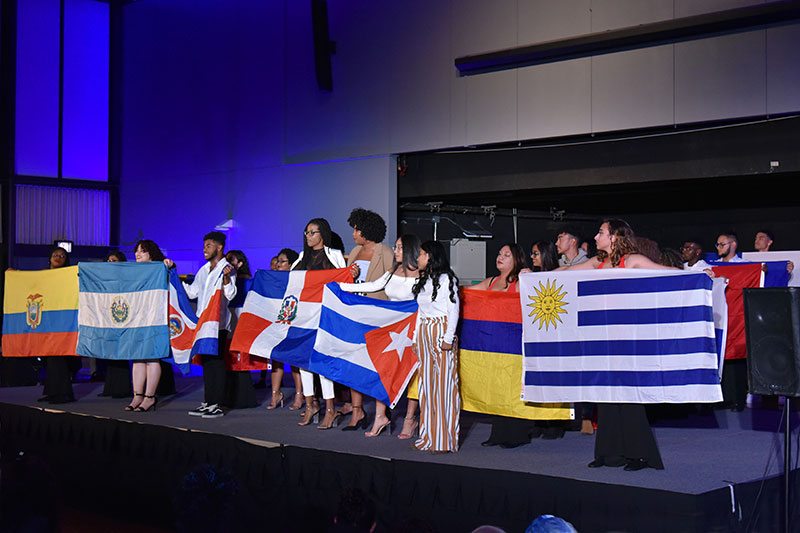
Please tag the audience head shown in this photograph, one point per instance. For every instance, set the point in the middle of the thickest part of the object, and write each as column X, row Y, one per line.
column 368, row 226
column 239, row 261
column 510, row 260
column 544, row 255
column 763, row 240
column 115, row 257
column 147, row 250
column 691, row 252
column 727, row 244
column 58, row 258
column 286, row 259
column 273, row 263
column 355, row 510
column 406, row 252
column 548, row 523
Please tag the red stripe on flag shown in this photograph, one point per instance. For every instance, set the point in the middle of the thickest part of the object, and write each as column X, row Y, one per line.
column 247, row 329
column 490, row 306
column 316, row 279
column 40, row 344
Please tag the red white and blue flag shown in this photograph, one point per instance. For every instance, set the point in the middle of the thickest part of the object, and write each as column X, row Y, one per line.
column 189, row 334
column 281, row 314
column 365, row 343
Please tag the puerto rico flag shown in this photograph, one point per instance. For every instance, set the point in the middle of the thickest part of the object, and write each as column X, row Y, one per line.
column 619, row 336
column 281, row 314
column 365, row 343
column 188, row 334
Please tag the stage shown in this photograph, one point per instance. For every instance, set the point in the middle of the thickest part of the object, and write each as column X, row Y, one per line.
column 290, row 476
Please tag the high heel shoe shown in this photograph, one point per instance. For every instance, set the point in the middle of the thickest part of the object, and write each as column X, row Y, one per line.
column 275, row 402
column 311, row 415
column 151, row 408
column 132, row 407
column 330, row 424
column 413, row 429
column 297, row 404
column 361, row 424
column 380, row 429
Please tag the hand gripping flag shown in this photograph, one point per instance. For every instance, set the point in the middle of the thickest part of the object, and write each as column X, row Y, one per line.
column 189, row 334
column 281, row 314
column 739, row 277
column 620, row 336
column 123, row 311
column 490, row 358
column 365, row 343
column 40, row 312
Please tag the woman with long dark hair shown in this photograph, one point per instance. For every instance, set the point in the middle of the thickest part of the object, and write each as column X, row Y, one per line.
column 397, row 284
column 624, row 436
column 317, row 255
column 436, row 292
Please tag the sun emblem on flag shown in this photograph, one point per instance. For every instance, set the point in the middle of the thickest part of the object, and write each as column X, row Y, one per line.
column 120, row 311
column 175, row 326
column 33, row 314
column 288, row 310
column 547, row 304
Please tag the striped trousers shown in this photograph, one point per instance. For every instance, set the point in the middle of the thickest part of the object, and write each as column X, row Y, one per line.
column 439, row 399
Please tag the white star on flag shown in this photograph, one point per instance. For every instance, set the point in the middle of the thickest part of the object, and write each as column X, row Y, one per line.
column 400, row 341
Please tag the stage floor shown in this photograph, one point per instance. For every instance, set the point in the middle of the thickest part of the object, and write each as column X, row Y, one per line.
column 700, row 453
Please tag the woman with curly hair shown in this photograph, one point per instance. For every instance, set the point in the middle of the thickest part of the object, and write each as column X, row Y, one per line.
column 624, row 436
column 370, row 260
column 436, row 292
column 318, row 255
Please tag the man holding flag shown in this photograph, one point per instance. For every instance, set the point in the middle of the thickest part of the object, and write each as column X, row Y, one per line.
column 215, row 279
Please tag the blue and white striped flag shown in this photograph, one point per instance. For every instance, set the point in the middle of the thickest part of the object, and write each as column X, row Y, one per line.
column 122, row 310
column 618, row 335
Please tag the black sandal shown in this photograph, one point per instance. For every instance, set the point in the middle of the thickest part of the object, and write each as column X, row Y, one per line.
column 132, row 407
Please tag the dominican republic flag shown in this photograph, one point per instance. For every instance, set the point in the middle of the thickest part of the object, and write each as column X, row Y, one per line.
column 490, row 358
column 365, row 343
column 188, row 334
column 739, row 276
column 619, row 336
column 281, row 314
column 122, row 310
column 40, row 312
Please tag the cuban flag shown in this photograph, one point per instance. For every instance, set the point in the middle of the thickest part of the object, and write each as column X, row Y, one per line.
column 619, row 336
column 281, row 314
column 365, row 343
column 189, row 334
column 122, row 310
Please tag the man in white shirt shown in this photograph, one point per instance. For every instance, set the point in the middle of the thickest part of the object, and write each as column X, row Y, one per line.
column 567, row 246
column 691, row 251
column 203, row 288
column 727, row 244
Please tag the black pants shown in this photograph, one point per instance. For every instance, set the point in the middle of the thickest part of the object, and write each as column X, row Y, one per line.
column 58, row 377
column 734, row 382
column 214, row 373
column 623, row 433
column 118, row 379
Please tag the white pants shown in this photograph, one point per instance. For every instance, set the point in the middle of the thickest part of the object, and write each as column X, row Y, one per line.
column 308, row 385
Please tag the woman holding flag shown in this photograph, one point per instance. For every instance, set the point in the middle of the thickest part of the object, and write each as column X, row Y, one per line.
column 397, row 284
column 624, row 436
column 317, row 255
column 436, row 292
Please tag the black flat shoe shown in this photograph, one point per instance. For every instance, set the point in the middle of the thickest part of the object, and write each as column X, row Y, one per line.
column 635, row 464
column 596, row 463
column 489, row 442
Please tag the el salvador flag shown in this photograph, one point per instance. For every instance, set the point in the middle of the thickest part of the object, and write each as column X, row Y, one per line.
column 619, row 335
column 122, row 310
column 365, row 343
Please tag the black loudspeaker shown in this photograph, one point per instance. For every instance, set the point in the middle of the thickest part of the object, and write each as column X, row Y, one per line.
column 772, row 330
column 323, row 46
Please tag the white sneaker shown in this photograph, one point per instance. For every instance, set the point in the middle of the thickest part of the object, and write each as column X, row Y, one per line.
column 200, row 411
column 213, row 411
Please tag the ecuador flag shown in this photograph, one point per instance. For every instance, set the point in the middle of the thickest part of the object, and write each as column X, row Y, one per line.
column 40, row 312
column 491, row 358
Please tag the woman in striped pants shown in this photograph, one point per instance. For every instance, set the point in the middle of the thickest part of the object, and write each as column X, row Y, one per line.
column 436, row 292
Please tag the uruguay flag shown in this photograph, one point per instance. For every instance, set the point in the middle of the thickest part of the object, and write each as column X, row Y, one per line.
column 188, row 334
column 122, row 310
column 620, row 336
column 365, row 343
column 281, row 314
